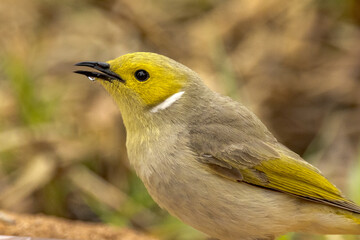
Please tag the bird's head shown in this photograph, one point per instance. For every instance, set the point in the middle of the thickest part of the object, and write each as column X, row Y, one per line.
column 142, row 83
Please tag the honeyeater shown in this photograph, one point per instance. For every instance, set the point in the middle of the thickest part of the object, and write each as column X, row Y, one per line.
column 210, row 161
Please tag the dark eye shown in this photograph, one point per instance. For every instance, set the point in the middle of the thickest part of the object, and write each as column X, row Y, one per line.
column 142, row 75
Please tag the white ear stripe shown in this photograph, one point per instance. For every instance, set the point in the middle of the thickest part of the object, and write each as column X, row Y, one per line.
column 167, row 102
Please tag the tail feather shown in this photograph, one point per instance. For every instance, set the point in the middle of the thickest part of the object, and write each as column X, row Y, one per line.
column 330, row 220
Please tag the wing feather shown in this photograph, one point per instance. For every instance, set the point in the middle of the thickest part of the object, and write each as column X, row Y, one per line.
column 240, row 148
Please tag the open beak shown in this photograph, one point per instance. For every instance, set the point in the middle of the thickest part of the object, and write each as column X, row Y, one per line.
column 104, row 68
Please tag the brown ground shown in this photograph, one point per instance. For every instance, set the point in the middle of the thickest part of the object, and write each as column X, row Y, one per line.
column 53, row 227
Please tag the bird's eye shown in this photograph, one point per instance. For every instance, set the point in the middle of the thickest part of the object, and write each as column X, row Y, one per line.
column 142, row 75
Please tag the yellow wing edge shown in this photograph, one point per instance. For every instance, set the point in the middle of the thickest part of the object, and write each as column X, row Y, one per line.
column 299, row 178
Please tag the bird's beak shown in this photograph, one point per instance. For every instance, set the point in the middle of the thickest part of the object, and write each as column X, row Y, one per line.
column 104, row 68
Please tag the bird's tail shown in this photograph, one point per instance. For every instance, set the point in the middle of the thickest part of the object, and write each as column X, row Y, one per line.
column 332, row 220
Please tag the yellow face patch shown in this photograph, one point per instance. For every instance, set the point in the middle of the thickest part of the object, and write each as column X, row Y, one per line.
column 150, row 77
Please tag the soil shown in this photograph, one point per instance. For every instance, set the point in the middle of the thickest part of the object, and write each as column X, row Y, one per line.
column 41, row 227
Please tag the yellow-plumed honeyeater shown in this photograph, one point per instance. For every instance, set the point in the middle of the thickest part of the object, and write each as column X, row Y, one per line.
column 211, row 162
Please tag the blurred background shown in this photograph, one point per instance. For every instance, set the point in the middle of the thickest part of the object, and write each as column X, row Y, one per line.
column 296, row 64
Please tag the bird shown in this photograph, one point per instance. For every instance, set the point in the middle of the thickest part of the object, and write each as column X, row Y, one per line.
column 210, row 162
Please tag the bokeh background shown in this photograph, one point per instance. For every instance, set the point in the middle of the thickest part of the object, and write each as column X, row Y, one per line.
column 296, row 64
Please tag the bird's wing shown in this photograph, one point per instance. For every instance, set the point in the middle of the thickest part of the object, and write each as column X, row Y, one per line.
column 262, row 161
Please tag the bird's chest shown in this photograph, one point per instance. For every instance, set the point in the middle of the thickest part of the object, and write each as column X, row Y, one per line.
column 175, row 184
column 166, row 167
column 181, row 185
